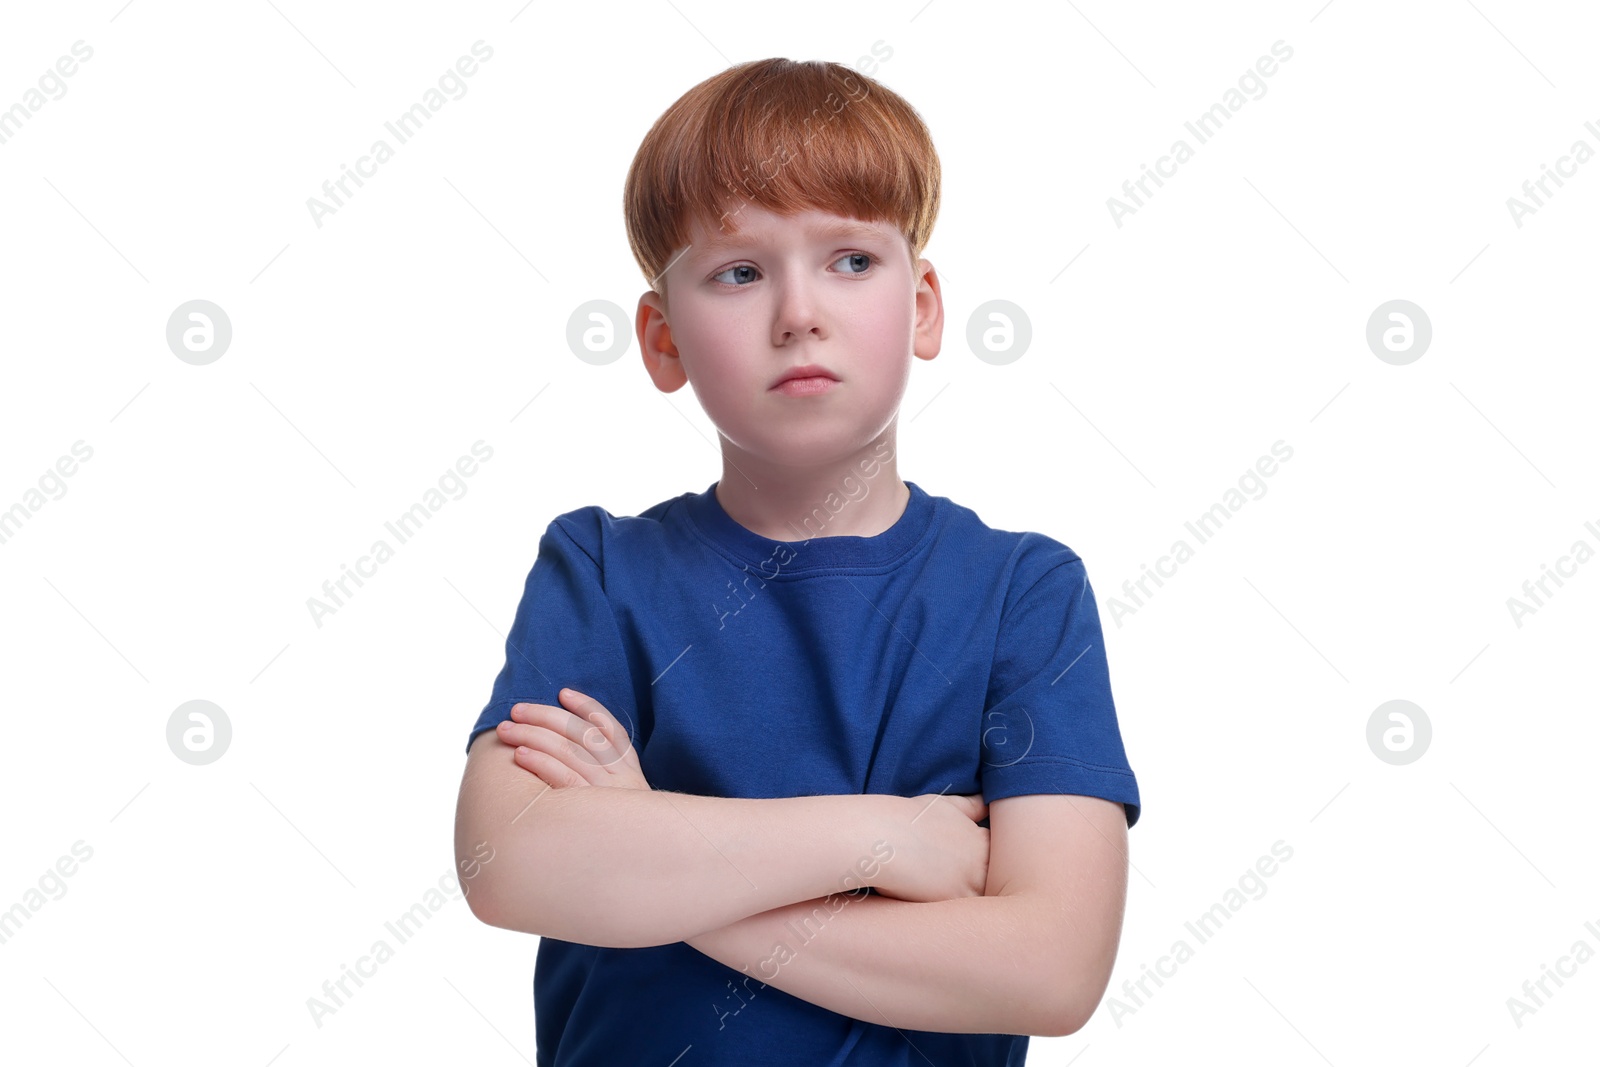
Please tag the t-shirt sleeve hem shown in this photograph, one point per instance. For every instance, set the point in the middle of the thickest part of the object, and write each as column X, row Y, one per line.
column 493, row 715
column 1062, row 775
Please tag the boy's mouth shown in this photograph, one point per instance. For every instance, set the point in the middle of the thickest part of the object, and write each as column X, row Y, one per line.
column 809, row 375
column 811, row 385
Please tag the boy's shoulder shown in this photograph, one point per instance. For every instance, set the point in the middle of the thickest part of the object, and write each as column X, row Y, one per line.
column 1030, row 552
column 594, row 527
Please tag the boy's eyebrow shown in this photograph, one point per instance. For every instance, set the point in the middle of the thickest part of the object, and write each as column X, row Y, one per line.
column 843, row 228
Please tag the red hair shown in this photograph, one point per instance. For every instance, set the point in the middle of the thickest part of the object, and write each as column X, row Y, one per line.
column 787, row 136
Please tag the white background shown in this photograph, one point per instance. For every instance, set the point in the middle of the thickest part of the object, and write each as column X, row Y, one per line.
column 369, row 354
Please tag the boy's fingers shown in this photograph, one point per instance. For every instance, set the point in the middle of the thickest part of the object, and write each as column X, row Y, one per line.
column 612, row 741
column 598, row 740
column 543, row 739
column 582, row 705
column 596, row 715
column 529, row 711
column 548, row 769
column 539, row 714
column 557, row 719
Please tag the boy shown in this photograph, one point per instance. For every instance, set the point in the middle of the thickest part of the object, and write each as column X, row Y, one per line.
column 802, row 690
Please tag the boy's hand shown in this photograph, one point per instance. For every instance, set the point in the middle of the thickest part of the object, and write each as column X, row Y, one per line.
column 563, row 748
column 940, row 851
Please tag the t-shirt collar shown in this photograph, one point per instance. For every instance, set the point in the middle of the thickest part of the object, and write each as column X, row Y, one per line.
column 815, row 548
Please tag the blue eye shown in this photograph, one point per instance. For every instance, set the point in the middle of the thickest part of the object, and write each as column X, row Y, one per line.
column 867, row 262
column 730, row 270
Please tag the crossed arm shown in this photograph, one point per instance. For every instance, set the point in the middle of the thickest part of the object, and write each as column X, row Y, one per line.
column 1031, row 956
column 760, row 886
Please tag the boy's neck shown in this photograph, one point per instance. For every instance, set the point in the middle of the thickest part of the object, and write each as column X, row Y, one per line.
column 795, row 504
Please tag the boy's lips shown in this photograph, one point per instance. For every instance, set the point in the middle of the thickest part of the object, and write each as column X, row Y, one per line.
column 811, row 385
column 806, row 370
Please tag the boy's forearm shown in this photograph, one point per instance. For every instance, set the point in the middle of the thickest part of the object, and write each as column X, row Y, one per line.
column 972, row 965
column 627, row 868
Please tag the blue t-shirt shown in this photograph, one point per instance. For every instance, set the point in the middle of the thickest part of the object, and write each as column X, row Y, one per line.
column 939, row 656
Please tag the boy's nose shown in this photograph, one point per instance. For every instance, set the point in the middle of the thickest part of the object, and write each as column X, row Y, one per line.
column 797, row 315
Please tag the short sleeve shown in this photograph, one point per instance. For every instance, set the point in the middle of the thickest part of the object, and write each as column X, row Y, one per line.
column 565, row 634
column 1050, row 725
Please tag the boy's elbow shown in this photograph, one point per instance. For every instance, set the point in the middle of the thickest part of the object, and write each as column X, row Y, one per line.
column 492, row 847
column 479, row 903
column 1067, row 1020
column 585, row 928
column 508, row 898
column 491, row 903
column 501, row 884
column 490, row 913
column 1075, row 1002
column 476, row 881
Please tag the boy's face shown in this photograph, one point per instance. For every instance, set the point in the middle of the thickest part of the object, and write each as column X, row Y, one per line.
column 782, row 292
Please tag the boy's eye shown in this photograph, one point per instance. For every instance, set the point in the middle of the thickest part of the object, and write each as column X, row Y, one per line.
column 863, row 260
column 730, row 270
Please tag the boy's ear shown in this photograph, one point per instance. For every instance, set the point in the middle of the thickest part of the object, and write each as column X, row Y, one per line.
column 655, row 343
column 929, row 329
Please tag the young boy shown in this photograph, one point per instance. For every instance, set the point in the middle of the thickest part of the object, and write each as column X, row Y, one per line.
column 803, row 689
